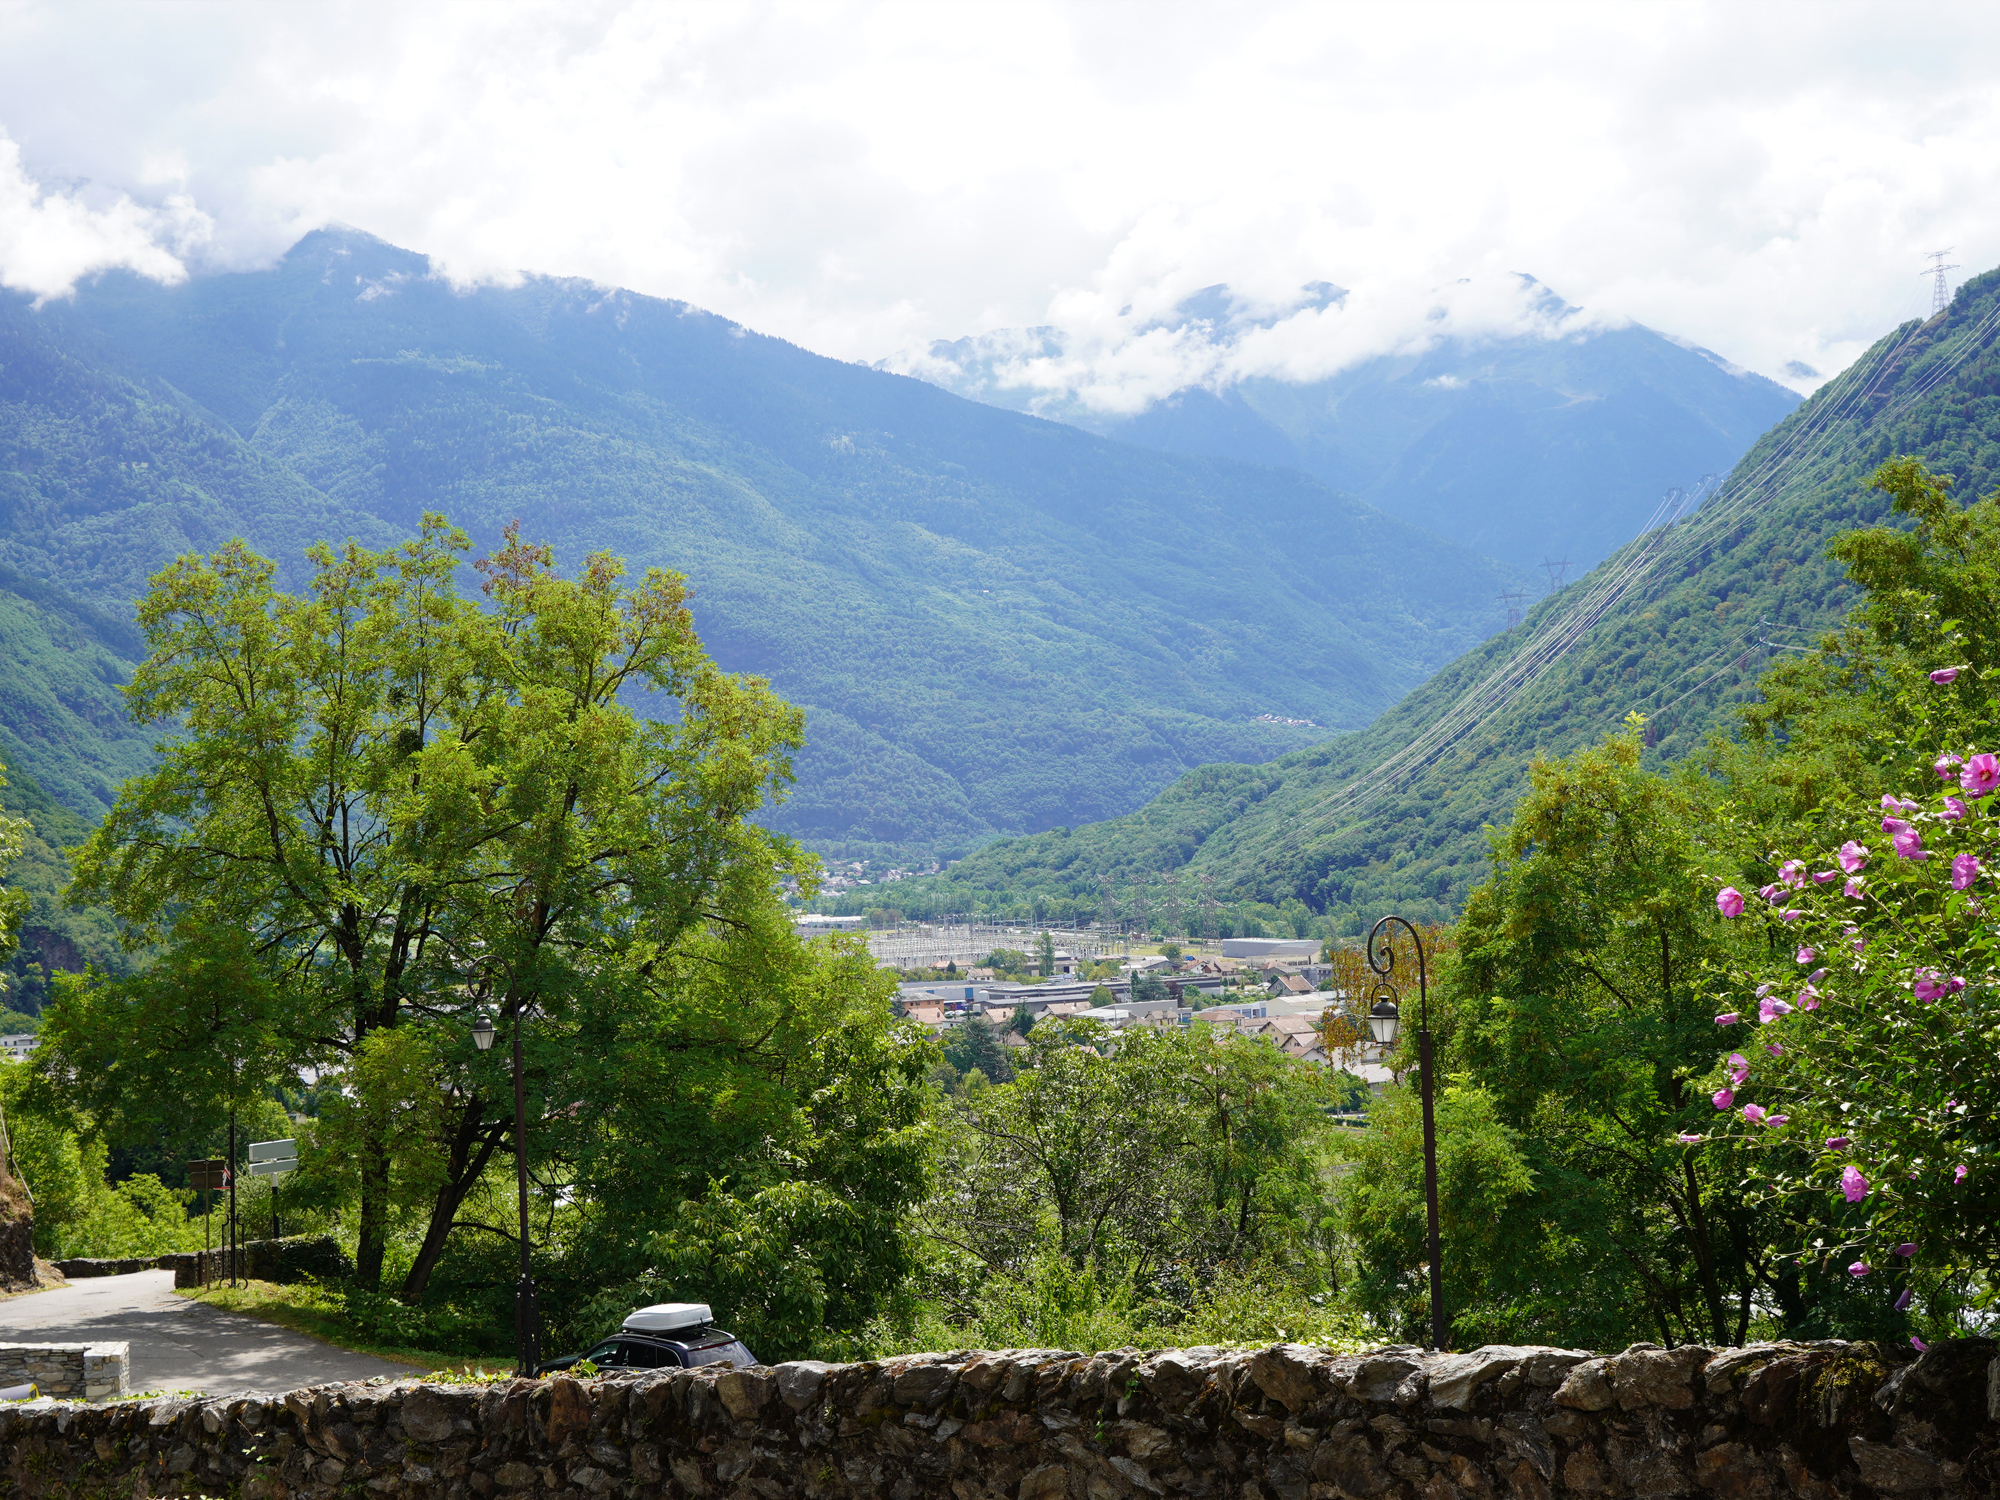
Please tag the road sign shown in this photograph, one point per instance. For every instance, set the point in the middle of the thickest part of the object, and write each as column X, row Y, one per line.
column 211, row 1173
column 273, row 1158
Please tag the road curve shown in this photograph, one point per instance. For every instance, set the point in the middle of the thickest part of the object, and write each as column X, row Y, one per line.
column 179, row 1345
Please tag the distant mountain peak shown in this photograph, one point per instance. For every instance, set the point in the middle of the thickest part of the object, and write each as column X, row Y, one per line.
column 1507, row 416
column 336, row 242
column 1221, row 308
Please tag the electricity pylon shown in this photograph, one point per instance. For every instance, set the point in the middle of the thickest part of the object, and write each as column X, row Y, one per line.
column 1940, row 292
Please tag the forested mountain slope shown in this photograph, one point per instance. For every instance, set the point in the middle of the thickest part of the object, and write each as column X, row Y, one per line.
column 997, row 623
column 1525, row 446
column 1353, row 831
column 61, row 717
column 53, row 935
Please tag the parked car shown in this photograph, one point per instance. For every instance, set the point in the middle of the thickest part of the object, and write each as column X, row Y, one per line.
column 665, row 1336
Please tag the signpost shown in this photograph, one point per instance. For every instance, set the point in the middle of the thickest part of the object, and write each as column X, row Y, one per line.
column 273, row 1159
column 209, row 1175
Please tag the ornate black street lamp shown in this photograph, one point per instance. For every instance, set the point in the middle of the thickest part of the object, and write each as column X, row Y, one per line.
column 1384, row 1020
column 527, row 1322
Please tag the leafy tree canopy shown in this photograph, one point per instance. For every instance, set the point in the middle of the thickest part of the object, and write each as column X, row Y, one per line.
column 407, row 807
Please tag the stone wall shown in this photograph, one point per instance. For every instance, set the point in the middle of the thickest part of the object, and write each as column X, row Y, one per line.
column 82, row 1268
column 81, row 1372
column 283, row 1260
column 1816, row 1420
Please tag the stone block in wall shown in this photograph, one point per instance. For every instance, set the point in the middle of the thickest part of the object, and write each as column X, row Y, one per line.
column 107, row 1370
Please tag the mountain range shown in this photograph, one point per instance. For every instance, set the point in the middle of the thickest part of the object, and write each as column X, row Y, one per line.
column 1549, row 438
column 1675, row 626
column 997, row 623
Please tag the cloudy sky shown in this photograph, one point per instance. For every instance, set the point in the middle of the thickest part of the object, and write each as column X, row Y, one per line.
column 1762, row 179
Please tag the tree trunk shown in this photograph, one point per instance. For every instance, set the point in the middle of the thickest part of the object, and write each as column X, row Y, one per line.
column 472, row 1146
column 1704, row 1259
column 373, row 1241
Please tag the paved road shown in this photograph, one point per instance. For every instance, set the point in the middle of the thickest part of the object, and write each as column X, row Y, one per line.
column 182, row 1345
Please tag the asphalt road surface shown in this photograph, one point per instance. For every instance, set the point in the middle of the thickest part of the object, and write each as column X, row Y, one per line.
column 179, row 1345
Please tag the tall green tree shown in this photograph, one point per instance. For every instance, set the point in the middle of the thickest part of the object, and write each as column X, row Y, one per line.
column 415, row 805
column 1134, row 1152
column 1578, row 1003
column 760, row 1132
column 1256, row 1117
column 1891, row 1057
column 973, row 1043
column 167, row 1054
column 1382, row 1213
column 1847, row 719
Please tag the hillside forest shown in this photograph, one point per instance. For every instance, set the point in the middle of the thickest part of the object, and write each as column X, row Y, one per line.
column 384, row 809
column 993, row 623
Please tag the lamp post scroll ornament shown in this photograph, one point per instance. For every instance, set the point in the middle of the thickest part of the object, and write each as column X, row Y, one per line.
column 1384, row 1021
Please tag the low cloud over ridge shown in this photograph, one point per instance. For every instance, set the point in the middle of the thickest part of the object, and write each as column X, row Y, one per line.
column 1119, row 362
column 49, row 239
column 867, row 177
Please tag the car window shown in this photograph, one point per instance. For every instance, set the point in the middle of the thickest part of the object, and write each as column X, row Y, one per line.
column 714, row 1354
column 610, row 1356
column 651, row 1357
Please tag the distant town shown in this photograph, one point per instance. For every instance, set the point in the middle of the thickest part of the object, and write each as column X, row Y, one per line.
column 1011, row 977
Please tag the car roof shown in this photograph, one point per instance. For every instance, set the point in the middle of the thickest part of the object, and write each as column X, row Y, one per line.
column 697, row 1337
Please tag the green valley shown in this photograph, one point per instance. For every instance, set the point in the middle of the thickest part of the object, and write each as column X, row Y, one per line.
column 1396, row 816
column 995, row 623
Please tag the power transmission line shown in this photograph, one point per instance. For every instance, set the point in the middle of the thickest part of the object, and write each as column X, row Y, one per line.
column 1662, row 539
column 1513, row 603
column 1559, row 571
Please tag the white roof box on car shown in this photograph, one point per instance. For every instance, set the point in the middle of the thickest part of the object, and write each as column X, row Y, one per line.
column 668, row 1317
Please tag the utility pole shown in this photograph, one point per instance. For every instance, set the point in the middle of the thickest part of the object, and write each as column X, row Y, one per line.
column 232, row 1192
column 1940, row 291
column 1513, row 603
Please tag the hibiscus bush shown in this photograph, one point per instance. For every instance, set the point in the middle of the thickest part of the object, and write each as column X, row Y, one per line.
column 1861, row 1081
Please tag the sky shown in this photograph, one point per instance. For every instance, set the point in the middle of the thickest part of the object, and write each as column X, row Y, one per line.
column 1763, row 180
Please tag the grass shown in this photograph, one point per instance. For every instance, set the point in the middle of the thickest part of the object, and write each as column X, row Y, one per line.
column 304, row 1309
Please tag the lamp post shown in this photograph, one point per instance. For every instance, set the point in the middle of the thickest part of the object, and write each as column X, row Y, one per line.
column 1384, row 1020
column 526, row 1320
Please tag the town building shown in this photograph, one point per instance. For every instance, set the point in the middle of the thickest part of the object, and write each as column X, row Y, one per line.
column 1294, row 950
column 814, row 924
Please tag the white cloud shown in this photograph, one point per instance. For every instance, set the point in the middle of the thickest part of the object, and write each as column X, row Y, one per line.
column 48, row 240
column 1759, row 180
column 1120, row 362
